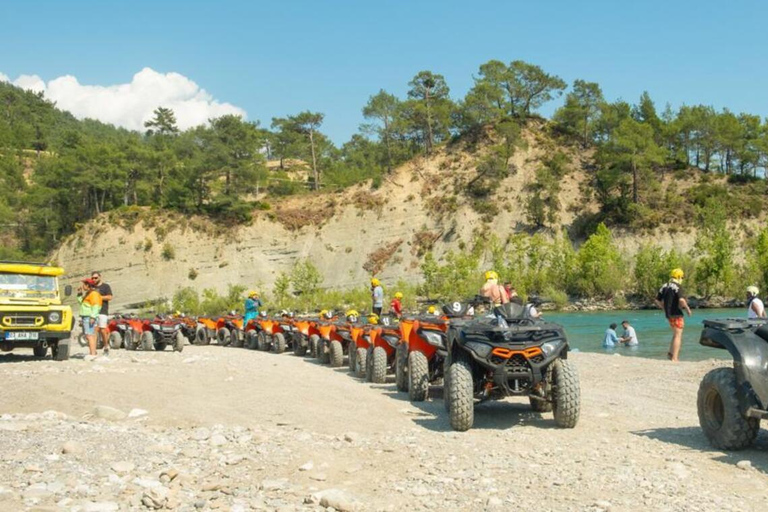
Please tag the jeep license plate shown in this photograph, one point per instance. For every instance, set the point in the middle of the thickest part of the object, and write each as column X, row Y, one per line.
column 21, row 336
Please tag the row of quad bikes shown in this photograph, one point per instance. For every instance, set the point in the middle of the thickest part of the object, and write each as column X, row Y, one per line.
column 157, row 333
column 502, row 353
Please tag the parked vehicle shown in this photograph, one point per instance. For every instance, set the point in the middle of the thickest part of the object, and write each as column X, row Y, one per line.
column 381, row 357
column 306, row 330
column 229, row 328
column 206, row 330
column 358, row 351
column 31, row 312
column 732, row 401
column 161, row 331
column 507, row 352
column 124, row 331
column 425, row 338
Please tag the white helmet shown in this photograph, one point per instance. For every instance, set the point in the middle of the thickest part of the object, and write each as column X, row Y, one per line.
column 753, row 291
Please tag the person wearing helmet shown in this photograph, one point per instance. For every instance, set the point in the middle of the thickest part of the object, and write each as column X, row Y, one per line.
column 672, row 300
column 352, row 315
column 396, row 306
column 493, row 290
column 755, row 306
column 432, row 310
column 373, row 319
column 252, row 305
column 377, row 296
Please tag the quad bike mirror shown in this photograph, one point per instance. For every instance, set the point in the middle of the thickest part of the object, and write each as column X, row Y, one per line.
column 68, row 290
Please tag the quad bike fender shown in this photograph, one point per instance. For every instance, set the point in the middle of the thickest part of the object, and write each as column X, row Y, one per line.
column 750, row 362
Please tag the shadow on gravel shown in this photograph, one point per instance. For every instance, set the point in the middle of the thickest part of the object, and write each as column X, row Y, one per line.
column 22, row 358
column 693, row 438
column 492, row 415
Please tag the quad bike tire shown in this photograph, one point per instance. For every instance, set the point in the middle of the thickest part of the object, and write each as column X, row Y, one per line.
column 379, row 366
column 235, row 339
column 252, row 340
column 201, row 336
column 147, row 341
column 60, row 350
column 446, row 383
column 460, row 394
column 262, row 342
column 223, row 337
column 300, row 345
column 368, row 364
column 40, row 351
column 566, row 394
column 719, row 413
column 544, row 405
column 179, row 342
column 361, row 357
column 401, row 367
column 313, row 343
column 336, row 354
column 324, row 352
column 115, row 340
column 160, row 346
column 279, row 343
column 131, row 340
column 418, row 376
column 352, row 361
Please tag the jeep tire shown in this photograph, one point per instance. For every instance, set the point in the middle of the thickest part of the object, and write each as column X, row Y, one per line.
column 40, row 351
column 60, row 350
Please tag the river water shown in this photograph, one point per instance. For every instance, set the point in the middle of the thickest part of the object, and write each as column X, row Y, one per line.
column 586, row 330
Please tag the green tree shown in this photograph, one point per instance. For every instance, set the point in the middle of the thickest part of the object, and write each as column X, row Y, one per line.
column 384, row 109
column 429, row 110
column 582, row 105
column 599, row 266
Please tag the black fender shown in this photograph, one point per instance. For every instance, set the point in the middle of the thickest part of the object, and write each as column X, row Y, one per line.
column 750, row 362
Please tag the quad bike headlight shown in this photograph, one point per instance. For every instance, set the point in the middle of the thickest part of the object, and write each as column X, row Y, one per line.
column 433, row 338
column 155, row 326
column 54, row 317
column 481, row 349
column 549, row 347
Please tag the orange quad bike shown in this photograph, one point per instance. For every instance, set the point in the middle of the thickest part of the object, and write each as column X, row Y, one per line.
column 306, row 331
column 270, row 334
column 206, row 330
column 228, row 329
column 358, row 353
column 251, row 333
column 330, row 346
column 343, row 343
column 282, row 332
column 426, row 341
column 381, row 357
column 124, row 331
column 323, row 325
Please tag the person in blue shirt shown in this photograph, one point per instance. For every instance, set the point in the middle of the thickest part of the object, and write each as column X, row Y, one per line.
column 252, row 305
column 610, row 340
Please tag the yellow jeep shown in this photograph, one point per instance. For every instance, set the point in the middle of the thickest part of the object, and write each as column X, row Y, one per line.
column 31, row 312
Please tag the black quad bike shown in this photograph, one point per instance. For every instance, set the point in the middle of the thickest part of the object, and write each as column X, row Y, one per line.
column 732, row 401
column 161, row 332
column 505, row 352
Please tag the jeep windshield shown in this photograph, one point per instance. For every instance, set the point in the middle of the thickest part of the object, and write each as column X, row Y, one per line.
column 27, row 286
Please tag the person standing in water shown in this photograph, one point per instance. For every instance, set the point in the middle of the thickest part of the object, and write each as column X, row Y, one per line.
column 610, row 339
column 755, row 306
column 629, row 339
column 672, row 300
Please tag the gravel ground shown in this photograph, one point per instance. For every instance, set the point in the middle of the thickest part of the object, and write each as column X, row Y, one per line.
column 218, row 428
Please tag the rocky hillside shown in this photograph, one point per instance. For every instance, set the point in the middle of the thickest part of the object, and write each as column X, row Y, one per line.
column 347, row 235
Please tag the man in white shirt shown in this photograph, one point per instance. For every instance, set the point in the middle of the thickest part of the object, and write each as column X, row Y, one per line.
column 756, row 308
column 630, row 336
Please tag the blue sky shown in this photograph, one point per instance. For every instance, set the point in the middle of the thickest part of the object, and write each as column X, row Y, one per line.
column 280, row 57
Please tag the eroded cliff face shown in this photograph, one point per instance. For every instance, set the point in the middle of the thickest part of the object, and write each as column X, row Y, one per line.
column 347, row 235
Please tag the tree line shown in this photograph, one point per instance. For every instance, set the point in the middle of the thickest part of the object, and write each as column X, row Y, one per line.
column 58, row 172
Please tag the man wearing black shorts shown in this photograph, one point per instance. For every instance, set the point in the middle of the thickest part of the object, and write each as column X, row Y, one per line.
column 106, row 295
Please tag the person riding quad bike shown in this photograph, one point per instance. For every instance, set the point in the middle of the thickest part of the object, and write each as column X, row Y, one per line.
column 731, row 401
column 506, row 352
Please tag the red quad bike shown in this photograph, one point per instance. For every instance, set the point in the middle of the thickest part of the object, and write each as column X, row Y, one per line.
column 325, row 326
column 271, row 336
column 228, row 328
column 358, row 353
column 160, row 332
column 381, row 360
column 124, row 331
column 330, row 346
column 340, row 341
column 251, row 333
